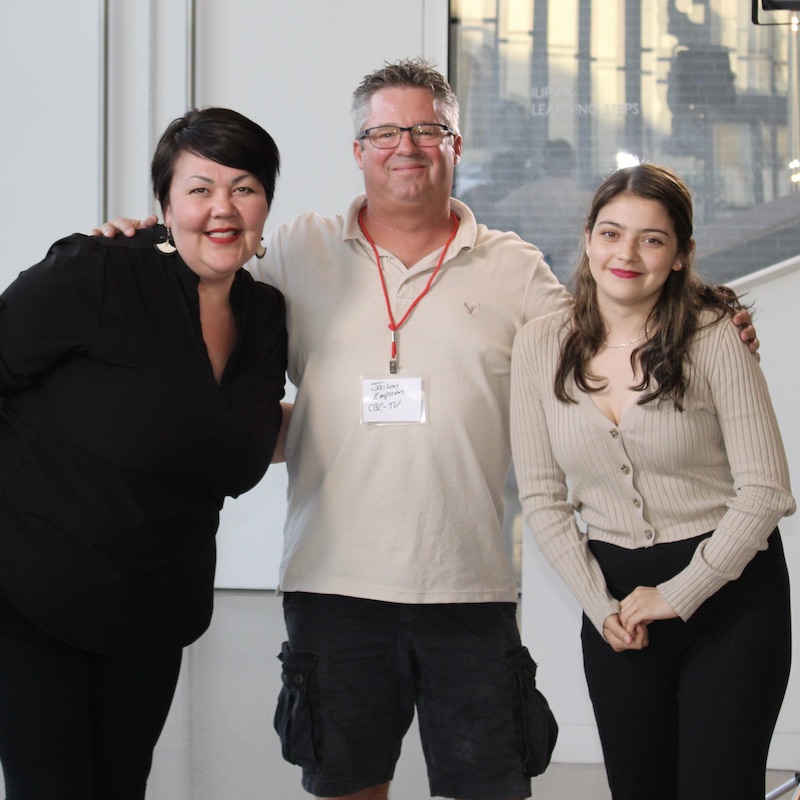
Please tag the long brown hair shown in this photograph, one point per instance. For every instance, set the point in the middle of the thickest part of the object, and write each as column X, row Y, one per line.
column 676, row 315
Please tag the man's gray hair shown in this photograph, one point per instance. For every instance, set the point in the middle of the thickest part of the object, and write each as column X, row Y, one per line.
column 411, row 72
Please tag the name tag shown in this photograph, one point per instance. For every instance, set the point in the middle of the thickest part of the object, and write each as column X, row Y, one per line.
column 392, row 400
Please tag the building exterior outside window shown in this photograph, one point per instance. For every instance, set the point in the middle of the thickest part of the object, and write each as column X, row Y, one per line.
column 555, row 95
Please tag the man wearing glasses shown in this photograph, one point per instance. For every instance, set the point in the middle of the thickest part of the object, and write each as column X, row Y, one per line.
column 397, row 589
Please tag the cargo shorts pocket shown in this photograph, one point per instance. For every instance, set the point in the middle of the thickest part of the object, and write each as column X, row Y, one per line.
column 294, row 720
column 539, row 729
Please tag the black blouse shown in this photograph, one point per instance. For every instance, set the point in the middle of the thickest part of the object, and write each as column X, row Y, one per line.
column 117, row 444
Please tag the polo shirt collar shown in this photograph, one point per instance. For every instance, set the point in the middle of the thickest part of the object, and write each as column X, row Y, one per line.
column 465, row 238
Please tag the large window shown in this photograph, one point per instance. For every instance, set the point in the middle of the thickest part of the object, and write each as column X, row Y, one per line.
column 555, row 94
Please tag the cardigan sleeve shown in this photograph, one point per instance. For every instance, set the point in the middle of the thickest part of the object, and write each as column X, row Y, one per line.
column 542, row 483
column 757, row 462
column 50, row 311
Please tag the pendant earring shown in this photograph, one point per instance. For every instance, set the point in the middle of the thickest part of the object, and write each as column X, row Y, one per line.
column 261, row 251
column 167, row 247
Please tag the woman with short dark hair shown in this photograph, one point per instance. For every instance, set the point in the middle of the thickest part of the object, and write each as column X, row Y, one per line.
column 140, row 384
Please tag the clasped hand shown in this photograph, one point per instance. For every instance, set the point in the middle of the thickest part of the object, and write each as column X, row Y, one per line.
column 627, row 630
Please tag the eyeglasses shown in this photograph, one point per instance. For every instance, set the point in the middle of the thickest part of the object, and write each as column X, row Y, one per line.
column 386, row 137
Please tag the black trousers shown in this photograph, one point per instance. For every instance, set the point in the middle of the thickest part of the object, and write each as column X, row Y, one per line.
column 691, row 716
column 76, row 725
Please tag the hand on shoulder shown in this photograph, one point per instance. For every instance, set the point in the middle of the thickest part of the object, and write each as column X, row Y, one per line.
column 744, row 322
column 124, row 225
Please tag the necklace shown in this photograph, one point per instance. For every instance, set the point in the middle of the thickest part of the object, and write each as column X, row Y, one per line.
column 395, row 326
column 626, row 344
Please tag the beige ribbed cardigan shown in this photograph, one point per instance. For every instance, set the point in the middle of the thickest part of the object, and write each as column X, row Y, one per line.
column 658, row 476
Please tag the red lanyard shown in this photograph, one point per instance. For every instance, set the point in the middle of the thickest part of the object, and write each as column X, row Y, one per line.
column 393, row 326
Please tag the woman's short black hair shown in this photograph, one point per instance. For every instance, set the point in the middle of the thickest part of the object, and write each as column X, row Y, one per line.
column 220, row 135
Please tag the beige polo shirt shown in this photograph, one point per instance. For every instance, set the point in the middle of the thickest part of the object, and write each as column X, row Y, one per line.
column 399, row 512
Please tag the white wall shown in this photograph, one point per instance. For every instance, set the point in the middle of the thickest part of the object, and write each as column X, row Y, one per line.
column 49, row 130
column 551, row 617
column 774, row 292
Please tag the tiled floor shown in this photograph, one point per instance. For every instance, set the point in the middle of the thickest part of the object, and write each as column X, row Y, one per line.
column 219, row 744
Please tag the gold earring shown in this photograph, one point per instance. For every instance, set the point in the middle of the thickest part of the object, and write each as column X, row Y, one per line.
column 167, row 247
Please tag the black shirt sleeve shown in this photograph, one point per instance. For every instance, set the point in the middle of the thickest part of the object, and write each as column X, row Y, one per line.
column 50, row 311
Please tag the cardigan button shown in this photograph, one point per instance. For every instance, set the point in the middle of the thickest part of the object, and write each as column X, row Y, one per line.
column 625, row 469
